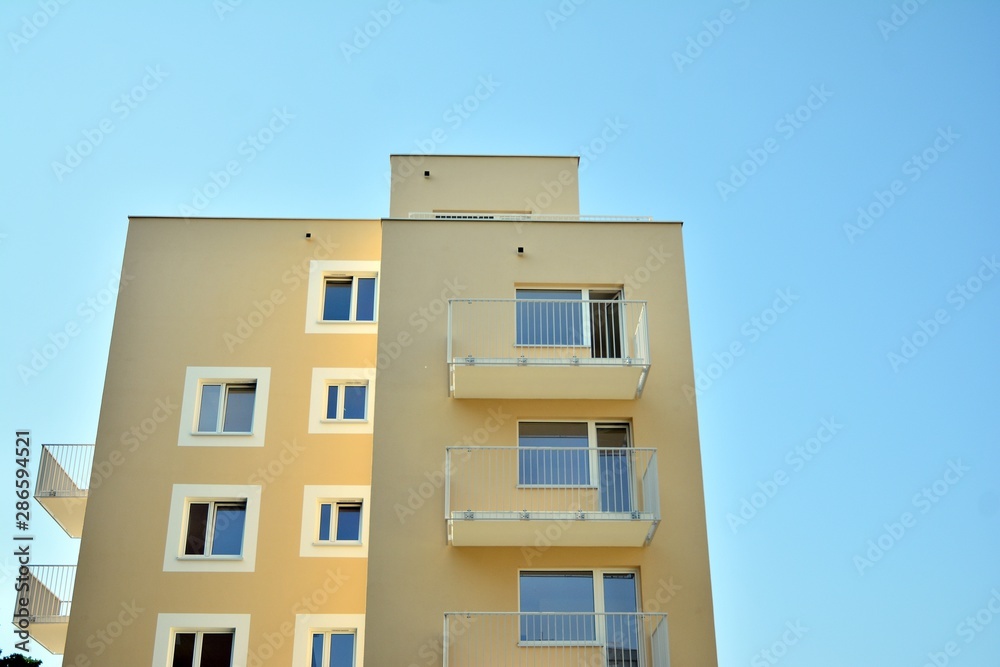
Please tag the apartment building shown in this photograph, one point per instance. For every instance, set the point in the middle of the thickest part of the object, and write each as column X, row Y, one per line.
column 522, row 487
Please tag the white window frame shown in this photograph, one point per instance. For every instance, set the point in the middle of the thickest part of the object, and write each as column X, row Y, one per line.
column 322, row 270
column 597, row 577
column 341, row 398
column 168, row 625
column 308, row 624
column 195, row 378
column 585, row 322
column 181, row 497
column 593, row 454
column 323, row 378
column 335, row 507
column 313, row 496
column 327, row 634
column 213, row 505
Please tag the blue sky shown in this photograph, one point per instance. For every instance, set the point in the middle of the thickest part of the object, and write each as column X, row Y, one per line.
column 834, row 164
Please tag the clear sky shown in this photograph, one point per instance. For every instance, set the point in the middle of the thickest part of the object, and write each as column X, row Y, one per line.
column 835, row 165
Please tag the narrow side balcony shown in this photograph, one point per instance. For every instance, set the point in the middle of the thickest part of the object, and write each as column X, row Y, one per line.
column 555, row 639
column 42, row 610
column 561, row 496
column 63, row 483
column 569, row 347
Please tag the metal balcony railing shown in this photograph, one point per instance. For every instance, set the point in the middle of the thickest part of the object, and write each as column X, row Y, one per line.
column 588, row 332
column 49, row 594
column 525, row 483
column 526, row 217
column 64, row 471
column 555, row 639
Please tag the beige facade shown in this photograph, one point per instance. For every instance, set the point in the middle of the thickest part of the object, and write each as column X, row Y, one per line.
column 501, row 322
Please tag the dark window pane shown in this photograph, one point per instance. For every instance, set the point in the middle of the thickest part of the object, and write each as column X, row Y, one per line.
column 183, row 650
column 227, row 540
column 194, row 545
column 239, row 409
column 348, row 522
column 366, row 300
column 355, row 399
column 337, row 300
column 567, row 467
column 341, row 650
column 554, row 592
column 317, row 650
column 548, row 317
column 217, row 649
column 208, row 414
column 324, row 521
column 331, row 401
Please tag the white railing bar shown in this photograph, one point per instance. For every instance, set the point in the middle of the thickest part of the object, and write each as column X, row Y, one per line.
column 521, row 217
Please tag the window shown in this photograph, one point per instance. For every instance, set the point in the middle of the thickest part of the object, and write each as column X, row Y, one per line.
column 328, row 640
column 347, row 401
column 342, row 296
column 571, row 318
column 349, row 299
column 335, row 521
column 342, row 400
column 553, row 454
column 215, row 528
column 340, row 522
column 212, row 528
column 332, row 649
column 550, row 317
column 564, row 607
column 226, row 407
column 203, row 649
column 574, row 454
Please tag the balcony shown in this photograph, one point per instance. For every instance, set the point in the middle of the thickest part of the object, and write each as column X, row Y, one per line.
column 62, row 484
column 556, row 639
column 552, row 496
column 547, row 348
column 49, row 597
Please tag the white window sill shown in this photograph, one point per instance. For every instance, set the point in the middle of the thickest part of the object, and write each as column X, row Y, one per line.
column 342, row 543
column 343, row 421
column 201, row 559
